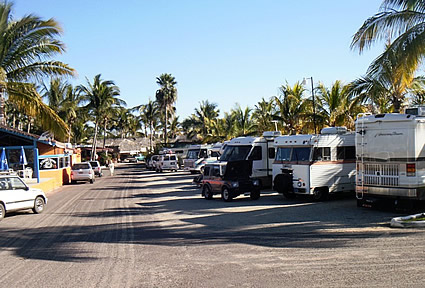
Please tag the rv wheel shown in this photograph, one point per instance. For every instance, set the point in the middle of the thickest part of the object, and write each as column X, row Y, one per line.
column 255, row 194
column 320, row 194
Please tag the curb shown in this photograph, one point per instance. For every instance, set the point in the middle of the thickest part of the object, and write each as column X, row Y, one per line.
column 402, row 222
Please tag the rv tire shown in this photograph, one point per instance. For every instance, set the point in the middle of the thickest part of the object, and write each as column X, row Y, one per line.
column 255, row 194
column 320, row 194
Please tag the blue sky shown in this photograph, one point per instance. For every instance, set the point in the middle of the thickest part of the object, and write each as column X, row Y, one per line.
column 223, row 51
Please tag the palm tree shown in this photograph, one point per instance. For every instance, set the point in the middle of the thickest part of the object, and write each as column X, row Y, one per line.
column 149, row 114
column 388, row 86
column 403, row 21
column 166, row 96
column 243, row 121
column 334, row 104
column 101, row 97
column 263, row 115
column 27, row 45
column 291, row 108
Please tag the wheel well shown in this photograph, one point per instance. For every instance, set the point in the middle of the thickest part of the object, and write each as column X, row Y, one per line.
column 1, row 202
column 44, row 198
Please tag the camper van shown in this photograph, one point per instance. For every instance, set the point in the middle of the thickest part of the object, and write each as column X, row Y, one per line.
column 213, row 155
column 315, row 165
column 194, row 153
column 390, row 152
column 260, row 150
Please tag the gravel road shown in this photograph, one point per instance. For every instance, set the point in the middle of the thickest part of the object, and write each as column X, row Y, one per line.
column 145, row 229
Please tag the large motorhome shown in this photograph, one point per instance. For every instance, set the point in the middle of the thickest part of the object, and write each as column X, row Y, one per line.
column 194, row 153
column 315, row 165
column 260, row 150
column 390, row 152
column 213, row 155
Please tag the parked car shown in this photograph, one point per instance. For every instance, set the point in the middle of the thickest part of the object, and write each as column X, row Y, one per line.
column 82, row 172
column 151, row 164
column 95, row 165
column 16, row 195
column 229, row 179
column 167, row 162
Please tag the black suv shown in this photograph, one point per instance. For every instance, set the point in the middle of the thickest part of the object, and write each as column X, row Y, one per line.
column 229, row 179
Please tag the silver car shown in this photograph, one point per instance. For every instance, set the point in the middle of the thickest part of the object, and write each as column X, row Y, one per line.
column 82, row 172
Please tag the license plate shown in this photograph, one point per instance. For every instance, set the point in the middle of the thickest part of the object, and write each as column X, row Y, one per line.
column 80, row 172
column 172, row 163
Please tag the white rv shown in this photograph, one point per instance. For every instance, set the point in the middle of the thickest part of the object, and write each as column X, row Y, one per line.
column 213, row 155
column 390, row 152
column 194, row 153
column 315, row 165
column 260, row 150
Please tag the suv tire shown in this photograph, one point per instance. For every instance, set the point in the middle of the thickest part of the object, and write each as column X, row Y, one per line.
column 225, row 194
column 207, row 192
column 255, row 194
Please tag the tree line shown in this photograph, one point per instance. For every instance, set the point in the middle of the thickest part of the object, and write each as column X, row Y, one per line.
column 93, row 110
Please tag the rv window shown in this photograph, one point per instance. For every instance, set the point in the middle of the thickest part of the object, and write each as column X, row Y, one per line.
column 272, row 153
column 346, row 153
column 322, row 154
column 300, row 154
column 256, row 154
column 283, row 154
column 235, row 153
column 203, row 153
column 215, row 154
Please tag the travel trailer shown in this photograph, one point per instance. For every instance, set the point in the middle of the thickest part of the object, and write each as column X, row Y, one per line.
column 315, row 165
column 260, row 150
column 194, row 153
column 390, row 152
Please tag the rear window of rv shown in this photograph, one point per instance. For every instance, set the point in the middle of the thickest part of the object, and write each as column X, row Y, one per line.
column 346, row 153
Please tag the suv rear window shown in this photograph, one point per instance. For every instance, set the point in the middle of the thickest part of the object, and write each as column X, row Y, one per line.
column 80, row 166
column 94, row 164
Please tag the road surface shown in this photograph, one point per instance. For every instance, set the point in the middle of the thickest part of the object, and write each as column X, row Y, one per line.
column 146, row 229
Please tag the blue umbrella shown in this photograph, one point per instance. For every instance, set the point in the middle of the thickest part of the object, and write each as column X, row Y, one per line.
column 23, row 158
column 3, row 161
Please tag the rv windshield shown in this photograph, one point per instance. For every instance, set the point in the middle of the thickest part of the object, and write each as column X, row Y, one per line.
column 283, row 154
column 300, row 154
column 193, row 154
column 233, row 153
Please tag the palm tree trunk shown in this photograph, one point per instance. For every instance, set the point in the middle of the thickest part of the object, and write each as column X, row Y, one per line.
column 93, row 151
column 150, row 138
column 104, row 135
column 165, row 126
column 69, row 133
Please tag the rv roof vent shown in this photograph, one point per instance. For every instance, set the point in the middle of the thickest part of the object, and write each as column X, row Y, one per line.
column 271, row 134
column 334, row 130
column 418, row 111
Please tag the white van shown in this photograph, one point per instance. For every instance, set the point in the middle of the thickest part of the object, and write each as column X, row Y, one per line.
column 390, row 152
column 315, row 165
column 167, row 161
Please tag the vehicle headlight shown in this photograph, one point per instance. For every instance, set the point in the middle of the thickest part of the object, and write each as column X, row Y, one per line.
column 299, row 184
column 256, row 182
column 235, row 184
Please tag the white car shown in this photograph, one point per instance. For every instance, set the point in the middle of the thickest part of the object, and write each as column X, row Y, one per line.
column 96, row 168
column 16, row 195
column 82, row 172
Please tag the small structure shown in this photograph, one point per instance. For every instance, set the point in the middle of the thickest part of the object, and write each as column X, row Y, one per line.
column 46, row 158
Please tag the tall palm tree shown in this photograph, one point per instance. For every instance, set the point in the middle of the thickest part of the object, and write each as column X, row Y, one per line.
column 401, row 23
column 149, row 114
column 263, row 115
column 291, row 107
column 100, row 96
column 26, row 47
column 166, row 96
column 334, row 104
column 243, row 121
